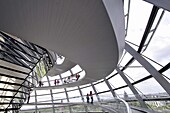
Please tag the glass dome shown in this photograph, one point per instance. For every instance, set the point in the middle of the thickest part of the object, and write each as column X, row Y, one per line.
column 141, row 77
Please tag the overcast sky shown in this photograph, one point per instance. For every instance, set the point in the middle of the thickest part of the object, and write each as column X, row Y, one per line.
column 158, row 49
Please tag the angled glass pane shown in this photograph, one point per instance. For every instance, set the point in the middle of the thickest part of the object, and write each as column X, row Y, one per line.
column 150, row 86
column 101, row 87
column 117, row 81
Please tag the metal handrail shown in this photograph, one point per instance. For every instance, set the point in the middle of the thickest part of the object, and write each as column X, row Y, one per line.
column 126, row 104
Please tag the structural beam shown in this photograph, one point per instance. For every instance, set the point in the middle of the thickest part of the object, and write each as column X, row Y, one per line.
column 82, row 97
column 85, row 107
column 36, row 107
column 148, row 27
column 165, row 4
column 132, row 88
column 66, row 95
column 52, row 99
column 159, row 78
column 111, row 89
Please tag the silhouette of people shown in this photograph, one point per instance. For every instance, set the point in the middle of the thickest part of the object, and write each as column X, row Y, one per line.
column 40, row 84
column 91, row 96
column 29, row 92
column 55, row 82
column 58, row 82
column 65, row 81
column 90, row 93
column 77, row 77
column 87, row 97
column 91, row 99
column 68, row 79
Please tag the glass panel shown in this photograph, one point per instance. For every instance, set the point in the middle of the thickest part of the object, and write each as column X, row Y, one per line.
column 26, row 107
column 59, row 96
column 71, row 88
column 153, row 88
column 158, row 47
column 154, row 64
column 167, row 74
column 66, row 74
column 105, row 96
column 136, row 72
column 32, row 99
column 76, row 99
column 157, row 18
column 73, row 93
column 43, row 98
column 2, row 85
column 54, row 77
column 101, row 87
column 58, row 90
column 87, row 90
column 123, row 91
column 137, row 24
column 76, row 69
column 40, row 92
column 117, row 81
column 126, row 59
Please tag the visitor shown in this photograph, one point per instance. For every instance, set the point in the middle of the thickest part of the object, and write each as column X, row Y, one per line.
column 87, row 97
column 91, row 96
column 90, row 93
column 29, row 91
column 68, row 79
column 77, row 77
column 40, row 84
column 91, row 99
column 58, row 82
column 55, row 82
column 65, row 81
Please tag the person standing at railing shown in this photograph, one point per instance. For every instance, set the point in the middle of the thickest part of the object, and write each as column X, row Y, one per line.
column 91, row 99
column 40, row 84
column 68, row 79
column 87, row 97
column 58, row 82
column 29, row 92
column 55, row 82
column 91, row 96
